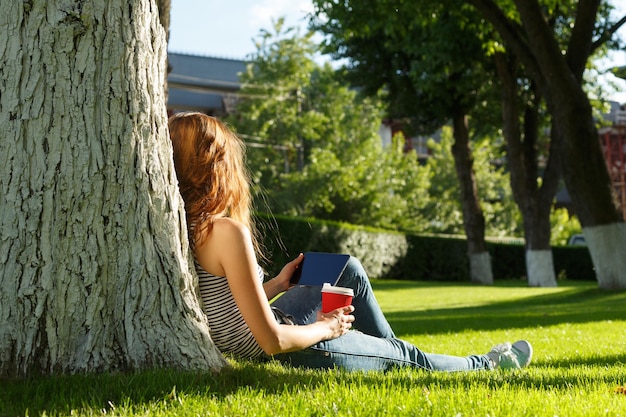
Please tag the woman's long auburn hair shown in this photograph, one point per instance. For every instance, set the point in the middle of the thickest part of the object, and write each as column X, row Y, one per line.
column 210, row 165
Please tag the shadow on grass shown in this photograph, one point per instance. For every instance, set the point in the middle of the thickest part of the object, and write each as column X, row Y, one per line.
column 105, row 393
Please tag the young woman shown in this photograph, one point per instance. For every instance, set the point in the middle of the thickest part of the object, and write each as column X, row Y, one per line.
column 209, row 162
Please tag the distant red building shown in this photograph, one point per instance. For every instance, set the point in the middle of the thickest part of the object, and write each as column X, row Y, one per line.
column 613, row 140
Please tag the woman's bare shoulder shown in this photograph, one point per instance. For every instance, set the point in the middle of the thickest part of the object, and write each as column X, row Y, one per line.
column 225, row 227
column 228, row 235
column 228, row 240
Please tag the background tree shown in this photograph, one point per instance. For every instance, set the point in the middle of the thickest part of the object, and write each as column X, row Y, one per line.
column 526, row 32
column 365, row 184
column 534, row 191
column 430, row 59
column 502, row 217
column 94, row 273
column 534, row 188
column 345, row 173
column 270, row 113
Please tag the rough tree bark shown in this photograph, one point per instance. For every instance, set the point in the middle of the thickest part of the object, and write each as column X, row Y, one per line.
column 559, row 78
column 165, row 7
column 94, row 272
column 473, row 218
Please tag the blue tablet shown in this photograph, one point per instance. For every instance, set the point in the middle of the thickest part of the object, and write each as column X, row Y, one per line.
column 318, row 268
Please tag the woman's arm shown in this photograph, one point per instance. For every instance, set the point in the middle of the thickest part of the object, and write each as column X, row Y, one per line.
column 281, row 282
column 228, row 251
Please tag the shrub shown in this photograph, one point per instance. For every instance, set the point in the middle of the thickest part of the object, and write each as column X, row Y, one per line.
column 388, row 254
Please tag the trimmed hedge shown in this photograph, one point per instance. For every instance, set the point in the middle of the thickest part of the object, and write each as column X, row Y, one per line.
column 394, row 255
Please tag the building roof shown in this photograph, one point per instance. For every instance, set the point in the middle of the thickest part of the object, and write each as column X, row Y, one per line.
column 202, row 83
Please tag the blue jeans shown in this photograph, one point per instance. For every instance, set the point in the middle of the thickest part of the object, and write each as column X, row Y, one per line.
column 373, row 344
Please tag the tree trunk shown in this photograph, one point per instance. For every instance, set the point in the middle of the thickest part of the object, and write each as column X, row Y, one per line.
column 587, row 179
column 607, row 255
column 560, row 81
column 533, row 197
column 165, row 7
column 584, row 168
column 540, row 268
column 94, row 256
column 473, row 218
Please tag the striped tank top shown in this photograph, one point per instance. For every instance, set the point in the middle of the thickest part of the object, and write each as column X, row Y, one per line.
column 228, row 329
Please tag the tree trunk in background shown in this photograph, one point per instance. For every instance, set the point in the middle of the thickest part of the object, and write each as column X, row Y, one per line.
column 473, row 218
column 94, row 272
column 588, row 181
column 584, row 168
column 534, row 198
column 559, row 78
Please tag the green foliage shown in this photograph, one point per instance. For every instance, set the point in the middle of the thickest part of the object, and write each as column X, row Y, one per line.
column 572, row 262
column 314, row 151
column 563, row 226
column 508, row 260
column 444, row 206
column 389, row 254
column 502, row 217
column 363, row 184
column 435, row 59
column 322, row 155
column 285, row 237
column 270, row 113
column 429, row 56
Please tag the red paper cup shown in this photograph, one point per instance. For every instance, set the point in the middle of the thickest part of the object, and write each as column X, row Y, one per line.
column 335, row 297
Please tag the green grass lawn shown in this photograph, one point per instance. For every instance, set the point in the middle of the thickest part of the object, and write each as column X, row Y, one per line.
column 578, row 333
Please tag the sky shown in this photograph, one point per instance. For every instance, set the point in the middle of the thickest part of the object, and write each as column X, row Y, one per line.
column 227, row 28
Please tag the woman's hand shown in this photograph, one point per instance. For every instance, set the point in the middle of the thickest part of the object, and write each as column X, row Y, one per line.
column 280, row 282
column 339, row 321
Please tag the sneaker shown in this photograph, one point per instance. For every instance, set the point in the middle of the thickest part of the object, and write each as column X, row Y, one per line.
column 511, row 356
column 524, row 352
